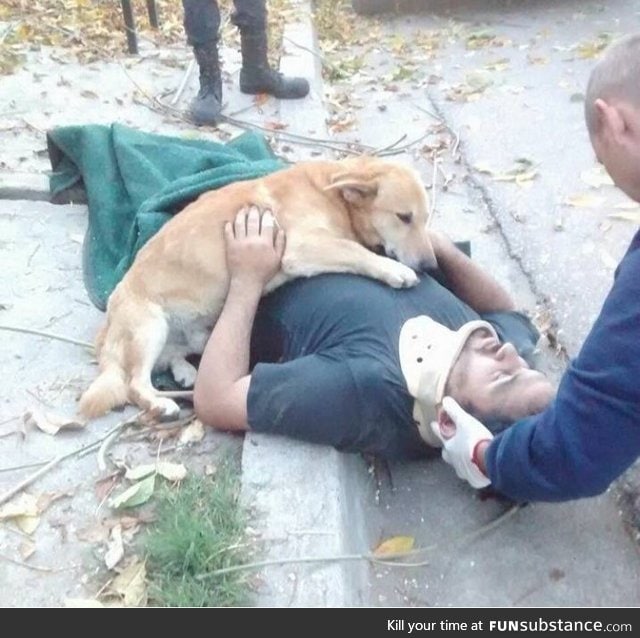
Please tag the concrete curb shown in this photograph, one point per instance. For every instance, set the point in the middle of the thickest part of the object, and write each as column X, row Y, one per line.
column 305, row 498
column 29, row 186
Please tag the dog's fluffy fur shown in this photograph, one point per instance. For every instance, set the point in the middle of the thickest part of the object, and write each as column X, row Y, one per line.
column 334, row 215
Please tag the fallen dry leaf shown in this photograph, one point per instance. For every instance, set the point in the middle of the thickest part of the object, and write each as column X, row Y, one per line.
column 130, row 584
column 135, row 495
column 140, row 471
column 596, row 177
column 537, row 59
column 26, row 549
column 50, row 423
column 523, row 171
column 629, row 216
column 498, row 65
column 28, row 524
column 45, row 500
column 115, row 548
column 193, row 433
column 584, row 200
column 482, row 39
column 24, row 505
column 593, row 48
column 25, row 510
column 210, row 470
column 104, row 487
column 170, row 471
column 97, row 533
column 394, row 545
column 260, row 99
column 276, row 126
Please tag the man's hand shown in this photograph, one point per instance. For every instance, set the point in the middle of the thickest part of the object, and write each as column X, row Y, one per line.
column 254, row 247
column 461, row 437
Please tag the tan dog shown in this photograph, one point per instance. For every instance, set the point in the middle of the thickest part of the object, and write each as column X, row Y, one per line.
column 166, row 305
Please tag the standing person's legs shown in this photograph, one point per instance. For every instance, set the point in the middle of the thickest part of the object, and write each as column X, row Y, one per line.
column 256, row 75
column 201, row 23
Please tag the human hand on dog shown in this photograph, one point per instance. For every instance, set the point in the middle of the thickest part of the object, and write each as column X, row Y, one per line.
column 255, row 246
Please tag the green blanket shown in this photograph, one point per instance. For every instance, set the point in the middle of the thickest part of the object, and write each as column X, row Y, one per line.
column 136, row 181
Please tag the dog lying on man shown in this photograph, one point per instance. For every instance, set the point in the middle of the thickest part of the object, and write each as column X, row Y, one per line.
column 339, row 216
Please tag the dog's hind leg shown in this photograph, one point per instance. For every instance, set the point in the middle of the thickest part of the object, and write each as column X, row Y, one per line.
column 148, row 343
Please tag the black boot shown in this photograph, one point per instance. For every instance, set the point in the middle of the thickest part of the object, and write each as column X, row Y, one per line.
column 206, row 107
column 257, row 77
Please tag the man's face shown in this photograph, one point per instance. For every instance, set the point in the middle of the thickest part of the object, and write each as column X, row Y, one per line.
column 616, row 143
column 491, row 378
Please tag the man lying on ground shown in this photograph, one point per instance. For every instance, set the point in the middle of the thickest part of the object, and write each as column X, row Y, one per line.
column 346, row 361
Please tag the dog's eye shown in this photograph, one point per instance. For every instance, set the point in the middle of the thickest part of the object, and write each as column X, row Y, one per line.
column 405, row 218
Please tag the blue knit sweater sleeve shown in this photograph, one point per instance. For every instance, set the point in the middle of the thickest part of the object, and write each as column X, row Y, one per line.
column 591, row 432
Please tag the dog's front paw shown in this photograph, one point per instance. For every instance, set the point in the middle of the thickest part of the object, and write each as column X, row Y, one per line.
column 183, row 372
column 164, row 409
column 398, row 275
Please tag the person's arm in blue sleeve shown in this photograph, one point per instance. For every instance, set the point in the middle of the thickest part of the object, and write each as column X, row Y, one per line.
column 591, row 432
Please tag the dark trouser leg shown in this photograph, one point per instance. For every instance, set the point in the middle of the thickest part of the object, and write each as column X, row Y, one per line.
column 256, row 76
column 201, row 23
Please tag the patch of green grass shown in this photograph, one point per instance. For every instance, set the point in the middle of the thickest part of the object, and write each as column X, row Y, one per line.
column 199, row 529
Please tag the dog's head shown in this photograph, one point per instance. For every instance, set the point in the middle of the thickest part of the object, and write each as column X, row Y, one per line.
column 388, row 208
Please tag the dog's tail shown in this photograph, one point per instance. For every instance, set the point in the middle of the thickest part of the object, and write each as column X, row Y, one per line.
column 110, row 389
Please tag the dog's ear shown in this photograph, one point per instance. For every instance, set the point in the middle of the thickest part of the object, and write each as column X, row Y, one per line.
column 355, row 189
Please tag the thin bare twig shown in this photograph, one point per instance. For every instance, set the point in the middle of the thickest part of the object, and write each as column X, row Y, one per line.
column 15, row 530
column 105, row 497
column 11, row 26
column 49, row 335
column 383, row 560
column 389, row 146
column 455, row 134
column 31, row 479
column 433, row 115
column 324, row 61
column 33, row 127
column 33, row 254
column 36, row 568
column 404, row 147
column 15, row 468
column 302, row 140
column 293, row 138
column 58, row 459
column 102, row 450
column 176, row 394
column 185, row 79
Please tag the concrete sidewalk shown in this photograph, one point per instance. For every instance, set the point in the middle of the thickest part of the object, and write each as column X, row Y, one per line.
column 543, row 555
column 306, row 501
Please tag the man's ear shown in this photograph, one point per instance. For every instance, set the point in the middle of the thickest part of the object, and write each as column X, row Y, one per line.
column 355, row 189
column 611, row 122
column 446, row 424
